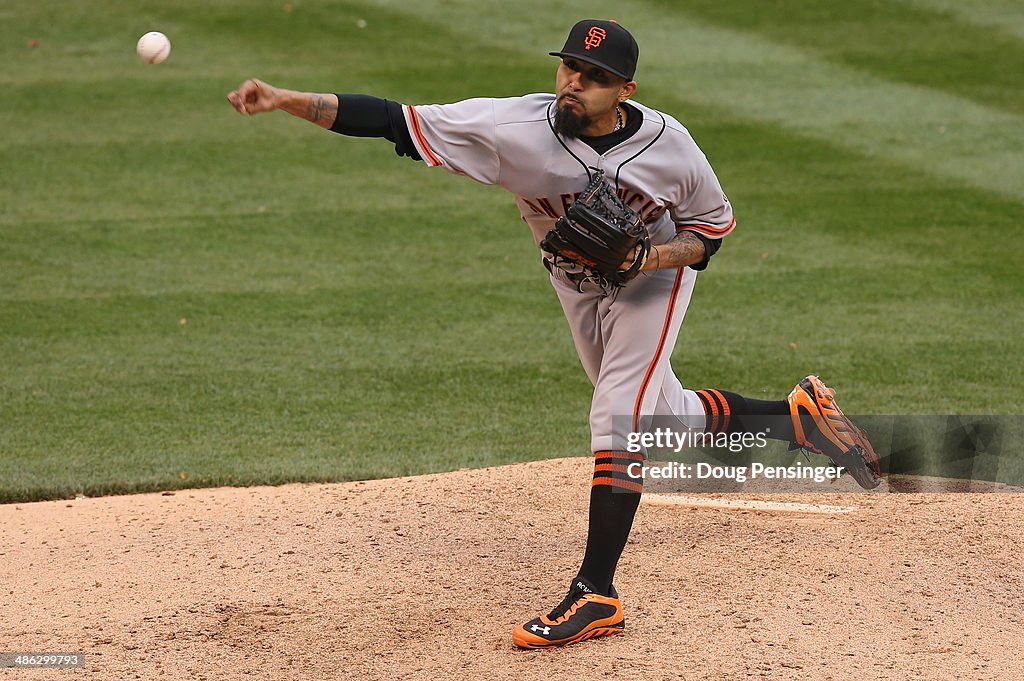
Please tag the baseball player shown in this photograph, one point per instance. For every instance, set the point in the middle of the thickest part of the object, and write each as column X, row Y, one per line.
column 545, row 149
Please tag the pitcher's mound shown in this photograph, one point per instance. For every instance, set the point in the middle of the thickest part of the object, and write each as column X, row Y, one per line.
column 424, row 578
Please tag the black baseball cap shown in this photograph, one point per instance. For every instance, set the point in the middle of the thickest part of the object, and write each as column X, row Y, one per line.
column 602, row 43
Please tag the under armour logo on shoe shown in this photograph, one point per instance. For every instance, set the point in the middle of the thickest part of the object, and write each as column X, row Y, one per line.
column 544, row 631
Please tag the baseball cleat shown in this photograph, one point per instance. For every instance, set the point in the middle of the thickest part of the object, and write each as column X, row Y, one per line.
column 821, row 427
column 582, row 615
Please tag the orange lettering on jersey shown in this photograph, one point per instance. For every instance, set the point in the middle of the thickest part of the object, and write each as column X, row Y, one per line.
column 655, row 213
column 549, row 210
column 534, row 208
column 649, row 210
column 595, row 36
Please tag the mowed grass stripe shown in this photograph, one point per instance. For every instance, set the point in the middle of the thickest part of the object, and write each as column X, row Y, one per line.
column 215, row 47
column 281, row 248
column 891, row 40
column 91, row 41
column 128, row 431
column 761, row 79
column 1002, row 15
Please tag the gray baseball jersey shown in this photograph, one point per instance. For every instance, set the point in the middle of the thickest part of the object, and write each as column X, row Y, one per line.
column 625, row 336
column 660, row 171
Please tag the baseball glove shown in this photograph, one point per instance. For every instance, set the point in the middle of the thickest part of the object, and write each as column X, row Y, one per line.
column 596, row 236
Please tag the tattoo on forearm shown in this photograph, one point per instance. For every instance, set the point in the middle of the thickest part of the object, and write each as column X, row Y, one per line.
column 684, row 249
column 319, row 109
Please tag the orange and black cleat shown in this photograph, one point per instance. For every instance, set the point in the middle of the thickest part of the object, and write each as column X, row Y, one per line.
column 823, row 428
column 582, row 615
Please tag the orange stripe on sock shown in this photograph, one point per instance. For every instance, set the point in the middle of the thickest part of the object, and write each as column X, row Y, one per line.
column 621, row 484
column 614, row 468
column 712, row 405
column 727, row 416
column 606, row 468
column 632, row 456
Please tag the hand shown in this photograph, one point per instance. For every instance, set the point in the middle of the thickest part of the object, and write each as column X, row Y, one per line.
column 652, row 263
column 637, row 253
column 254, row 96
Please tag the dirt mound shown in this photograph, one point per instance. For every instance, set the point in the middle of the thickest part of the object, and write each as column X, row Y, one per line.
column 424, row 578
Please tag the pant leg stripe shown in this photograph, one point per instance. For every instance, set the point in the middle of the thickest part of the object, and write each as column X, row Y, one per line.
column 661, row 347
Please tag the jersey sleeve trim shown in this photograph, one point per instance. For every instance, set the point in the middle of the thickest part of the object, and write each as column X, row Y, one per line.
column 709, row 230
column 418, row 140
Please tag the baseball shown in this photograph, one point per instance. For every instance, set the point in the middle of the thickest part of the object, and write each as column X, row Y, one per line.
column 153, row 47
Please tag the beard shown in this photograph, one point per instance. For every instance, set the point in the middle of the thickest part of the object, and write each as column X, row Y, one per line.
column 569, row 124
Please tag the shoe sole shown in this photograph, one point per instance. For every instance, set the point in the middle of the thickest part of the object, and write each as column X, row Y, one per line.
column 860, row 459
column 856, row 463
column 586, row 634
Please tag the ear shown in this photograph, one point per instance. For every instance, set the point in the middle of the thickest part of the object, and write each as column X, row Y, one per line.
column 627, row 90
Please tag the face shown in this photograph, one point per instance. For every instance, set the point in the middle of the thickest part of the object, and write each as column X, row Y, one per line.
column 586, row 97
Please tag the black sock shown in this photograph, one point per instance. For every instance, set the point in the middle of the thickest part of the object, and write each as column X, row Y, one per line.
column 614, row 498
column 731, row 413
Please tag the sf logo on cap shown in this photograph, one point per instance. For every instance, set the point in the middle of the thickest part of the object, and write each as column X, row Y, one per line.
column 595, row 36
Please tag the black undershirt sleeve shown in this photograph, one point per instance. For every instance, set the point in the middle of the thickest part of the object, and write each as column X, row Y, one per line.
column 711, row 247
column 366, row 116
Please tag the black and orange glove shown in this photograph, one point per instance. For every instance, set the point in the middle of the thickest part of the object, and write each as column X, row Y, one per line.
column 598, row 235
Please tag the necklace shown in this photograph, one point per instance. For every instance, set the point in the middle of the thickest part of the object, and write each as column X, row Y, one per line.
column 618, row 119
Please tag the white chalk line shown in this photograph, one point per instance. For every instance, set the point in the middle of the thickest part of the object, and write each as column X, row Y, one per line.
column 744, row 504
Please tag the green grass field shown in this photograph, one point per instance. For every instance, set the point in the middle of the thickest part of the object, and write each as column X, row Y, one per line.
column 189, row 297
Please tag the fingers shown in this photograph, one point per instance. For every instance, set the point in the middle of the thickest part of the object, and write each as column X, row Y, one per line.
column 640, row 258
column 236, row 101
column 246, row 99
column 630, row 259
column 237, row 98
